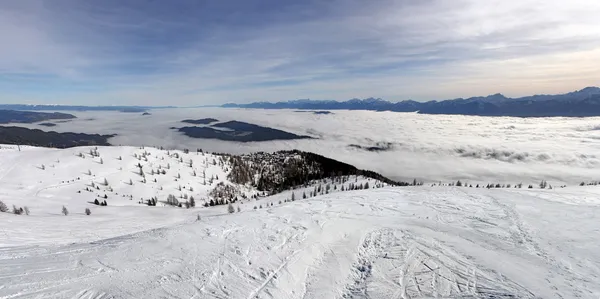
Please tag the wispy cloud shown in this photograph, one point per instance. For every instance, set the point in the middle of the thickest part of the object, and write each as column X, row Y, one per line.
column 198, row 52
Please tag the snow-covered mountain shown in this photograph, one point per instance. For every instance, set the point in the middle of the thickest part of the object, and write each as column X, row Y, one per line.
column 584, row 102
column 315, row 240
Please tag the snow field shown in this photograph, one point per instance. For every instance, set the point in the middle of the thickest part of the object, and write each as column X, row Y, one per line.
column 411, row 242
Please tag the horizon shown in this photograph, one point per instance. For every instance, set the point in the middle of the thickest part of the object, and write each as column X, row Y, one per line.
column 294, row 100
column 187, row 53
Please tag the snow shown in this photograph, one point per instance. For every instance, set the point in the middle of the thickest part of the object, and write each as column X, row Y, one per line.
column 392, row 242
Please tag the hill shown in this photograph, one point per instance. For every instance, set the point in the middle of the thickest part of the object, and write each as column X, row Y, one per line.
column 376, row 241
column 585, row 102
column 13, row 116
column 35, row 137
column 238, row 131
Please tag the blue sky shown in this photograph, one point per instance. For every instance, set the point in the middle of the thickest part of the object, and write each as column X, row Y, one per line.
column 184, row 52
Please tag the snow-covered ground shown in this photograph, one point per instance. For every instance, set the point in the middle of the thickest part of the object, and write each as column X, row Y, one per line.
column 409, row 242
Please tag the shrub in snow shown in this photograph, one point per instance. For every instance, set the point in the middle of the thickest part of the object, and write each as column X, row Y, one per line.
column 88, row 211
column 3, row 207
column 255, row 207
column 65, row 211
column 17, row 211
column 230, row 208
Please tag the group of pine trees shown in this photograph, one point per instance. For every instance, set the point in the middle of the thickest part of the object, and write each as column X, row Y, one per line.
column 15, row 209
column 543, row 185
column 98, row 203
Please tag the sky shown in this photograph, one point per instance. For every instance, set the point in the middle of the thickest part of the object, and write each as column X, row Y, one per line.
column 185, row 52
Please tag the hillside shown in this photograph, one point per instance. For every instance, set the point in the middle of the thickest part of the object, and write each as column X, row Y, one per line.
column 13, row 116
column 379, row 242
column 585, row 102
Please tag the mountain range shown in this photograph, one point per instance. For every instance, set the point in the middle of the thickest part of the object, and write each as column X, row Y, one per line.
column 584, row 102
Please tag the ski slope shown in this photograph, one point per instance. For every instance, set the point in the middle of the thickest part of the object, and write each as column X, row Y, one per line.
column 411, row 242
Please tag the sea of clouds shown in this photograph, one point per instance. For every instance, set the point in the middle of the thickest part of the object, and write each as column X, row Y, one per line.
column 426, row 147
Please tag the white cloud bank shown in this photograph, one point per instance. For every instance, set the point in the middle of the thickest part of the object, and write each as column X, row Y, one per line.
column 428, row 147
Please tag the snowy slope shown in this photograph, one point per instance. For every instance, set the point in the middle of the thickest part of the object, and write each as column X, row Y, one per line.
column 409, row 242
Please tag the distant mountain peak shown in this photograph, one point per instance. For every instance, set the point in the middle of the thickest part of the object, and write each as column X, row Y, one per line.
column 591, row 89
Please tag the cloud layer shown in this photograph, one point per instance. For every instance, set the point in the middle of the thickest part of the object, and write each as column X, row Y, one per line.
column 208, row 52
column 428, row 147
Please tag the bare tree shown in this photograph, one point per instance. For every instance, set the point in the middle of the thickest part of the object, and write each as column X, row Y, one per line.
column 65, row 211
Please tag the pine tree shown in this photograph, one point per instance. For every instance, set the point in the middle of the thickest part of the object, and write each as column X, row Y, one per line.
column 192, row 201
column 230, row 208
column 458, row 183
column 104, row 203
column 88, row 211
column 303, row 195
column 293, row 196
column 65, row 211
column 3, row 207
